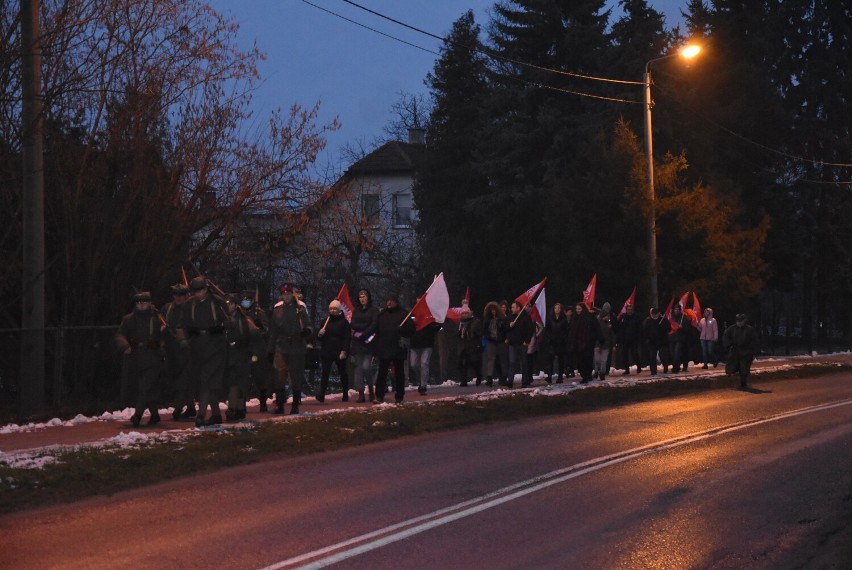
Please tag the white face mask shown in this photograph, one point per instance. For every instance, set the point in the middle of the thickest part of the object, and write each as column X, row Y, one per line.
column 245, row 303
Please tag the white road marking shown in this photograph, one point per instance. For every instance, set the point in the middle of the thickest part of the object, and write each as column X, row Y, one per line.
column 405, row 529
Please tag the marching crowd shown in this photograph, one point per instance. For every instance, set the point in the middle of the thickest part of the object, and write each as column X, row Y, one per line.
column 206, row 346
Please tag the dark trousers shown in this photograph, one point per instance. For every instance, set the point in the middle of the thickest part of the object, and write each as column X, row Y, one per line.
column 341, row 370
column 398, row 378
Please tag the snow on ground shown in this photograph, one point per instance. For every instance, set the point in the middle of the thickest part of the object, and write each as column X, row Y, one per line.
column 38, row 457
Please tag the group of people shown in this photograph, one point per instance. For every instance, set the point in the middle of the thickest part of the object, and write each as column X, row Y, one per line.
column 206, row 346
column 210, row 346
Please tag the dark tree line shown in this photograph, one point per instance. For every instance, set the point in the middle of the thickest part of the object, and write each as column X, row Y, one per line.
column 537, row 171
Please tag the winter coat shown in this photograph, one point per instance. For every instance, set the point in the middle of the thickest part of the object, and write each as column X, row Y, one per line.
column 470, row 336
column 389, row 344
column 555, row 336
column 523, row 330
column 709, row 329
column 655, row 332
column 364, row 323
column 337, row 337
column 607, row 337
column 629, row 329
column 584, row 332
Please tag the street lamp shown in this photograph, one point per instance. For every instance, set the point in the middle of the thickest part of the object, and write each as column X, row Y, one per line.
column 687, row 52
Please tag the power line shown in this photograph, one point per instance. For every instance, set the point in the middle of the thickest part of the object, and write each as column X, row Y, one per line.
column 758, row 144
column 490, row 53
column 524, row 81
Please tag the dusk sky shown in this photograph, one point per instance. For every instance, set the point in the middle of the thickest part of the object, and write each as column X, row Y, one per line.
column 355, row 73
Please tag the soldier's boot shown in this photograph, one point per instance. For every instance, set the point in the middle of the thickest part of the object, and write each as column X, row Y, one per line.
column 262, row 398
column 297, row 399
column 280, row 397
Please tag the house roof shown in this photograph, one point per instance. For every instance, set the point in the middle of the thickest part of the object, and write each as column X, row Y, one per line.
column 391, row 157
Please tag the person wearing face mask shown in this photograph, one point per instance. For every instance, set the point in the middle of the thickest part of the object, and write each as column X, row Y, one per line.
column 240, row 331
column 263, row 375
column 335, row 337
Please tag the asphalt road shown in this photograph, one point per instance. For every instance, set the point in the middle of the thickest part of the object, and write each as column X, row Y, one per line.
column 721, row 479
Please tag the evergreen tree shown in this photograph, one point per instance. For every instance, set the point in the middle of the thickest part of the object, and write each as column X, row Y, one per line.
column 450, row 223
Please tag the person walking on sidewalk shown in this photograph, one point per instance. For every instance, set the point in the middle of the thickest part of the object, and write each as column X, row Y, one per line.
column 336, row 337
column 708, row 334
column 741, row 341
column 139, row 339
column 289, row 333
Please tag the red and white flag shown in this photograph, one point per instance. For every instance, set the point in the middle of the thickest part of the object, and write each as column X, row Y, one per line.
column 675, row 325
column 345, row 302
column 696, row 306
column 432, row 307
column 529, row 295
column 538, row 310
column 684, row 299
column 631, row 300
column 454, row 313
column 589, row 292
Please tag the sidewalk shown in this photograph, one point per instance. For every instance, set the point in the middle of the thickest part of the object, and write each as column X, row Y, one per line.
column 113, row 425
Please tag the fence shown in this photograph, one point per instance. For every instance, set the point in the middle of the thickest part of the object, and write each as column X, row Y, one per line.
column 82, row 366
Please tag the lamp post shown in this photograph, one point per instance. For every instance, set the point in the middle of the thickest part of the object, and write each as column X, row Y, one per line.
column 687, row 52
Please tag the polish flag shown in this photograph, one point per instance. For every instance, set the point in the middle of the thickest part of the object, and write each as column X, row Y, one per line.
column 346, row 302
column 433, row 306
column 538, row 311
column 631, row 300
column 589, row 292
column 454, row 313
column 529, row 295
column 684, row 299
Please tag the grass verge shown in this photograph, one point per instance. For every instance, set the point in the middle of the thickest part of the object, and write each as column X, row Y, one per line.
column 107, row 470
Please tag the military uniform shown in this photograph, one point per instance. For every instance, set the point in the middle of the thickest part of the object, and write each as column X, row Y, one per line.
column 262, row 372
column 181, row 382
column 202, row 329
column 140, row 339
column 289, row 331
column 239, row 332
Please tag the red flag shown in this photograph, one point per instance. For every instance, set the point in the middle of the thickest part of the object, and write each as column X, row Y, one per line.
column 631, row 300
column 530, row 294
column 696, row 306
column 684, row 299
column 433, row 306
column 589, row 292
column 346, row 302
column 454, row 313
column 538, row 310
column 675, row 326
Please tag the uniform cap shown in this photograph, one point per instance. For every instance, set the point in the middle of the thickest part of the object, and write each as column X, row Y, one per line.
column 142, row 296
column 286, row 288
column 198, row 283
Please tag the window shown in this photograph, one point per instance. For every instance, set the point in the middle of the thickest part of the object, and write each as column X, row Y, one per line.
column 371, row 208
column 402, row 210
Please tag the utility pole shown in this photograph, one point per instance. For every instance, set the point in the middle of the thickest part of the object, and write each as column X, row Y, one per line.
column 32, row 377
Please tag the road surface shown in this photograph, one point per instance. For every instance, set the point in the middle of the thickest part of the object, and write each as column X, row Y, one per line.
column 719, row 479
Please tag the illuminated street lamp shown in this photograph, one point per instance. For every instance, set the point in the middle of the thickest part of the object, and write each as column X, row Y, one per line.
column 687, row 52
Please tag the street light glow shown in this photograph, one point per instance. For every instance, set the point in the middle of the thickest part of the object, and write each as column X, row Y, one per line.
column 690, row 51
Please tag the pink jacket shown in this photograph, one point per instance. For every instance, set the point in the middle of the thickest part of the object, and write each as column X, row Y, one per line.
column 709, row 328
